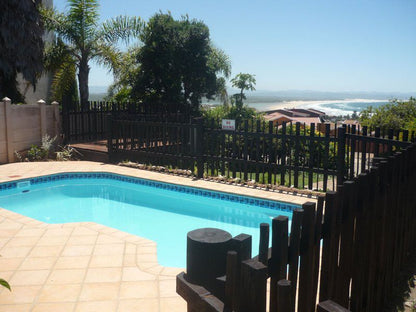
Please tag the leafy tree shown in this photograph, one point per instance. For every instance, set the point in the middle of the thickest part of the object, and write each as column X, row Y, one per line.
column 244, row 82
column 21, row 45
column 124, row 75
column 178, row 65
column 395, row 115
column 80, row 38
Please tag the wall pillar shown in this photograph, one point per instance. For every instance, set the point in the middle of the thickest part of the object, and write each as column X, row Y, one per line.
column 56, row 119
column 42, row 114
column 9, row 131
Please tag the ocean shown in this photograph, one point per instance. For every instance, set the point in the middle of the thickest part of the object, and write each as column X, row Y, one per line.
column 330, row 107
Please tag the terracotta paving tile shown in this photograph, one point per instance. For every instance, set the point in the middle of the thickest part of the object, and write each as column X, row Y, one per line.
column 54, row 307
column 20, row 294
column 58, row 232
column 109, row 249
column 15, row 252
column 107, row 239
column 82, row 240
column 38, row 263
column 167, row 288
column 6, row 275
column 83, row 231
column 129, row 260
column 22, row 241
column 106, row 261
column 135, row 274
column 8, row 233
column 138, row 305
column 10, row 263
column 46, row 251
column 76, row 262
column 131, row 249
column 140, row 289
column 69, row 276
column 30, row 232
column 60, row 293
column 173, row 305
column 15, row 307
column 97, row 306
column 147, row 257
column 77, row 250
column 103, row 275
column 52, row 241
column 99, row 291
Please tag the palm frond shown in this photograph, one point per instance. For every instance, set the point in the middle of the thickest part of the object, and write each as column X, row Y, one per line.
column 121, row 28
column 54, row 54
column 58, row 23
column 64, row 79
column 107, row 55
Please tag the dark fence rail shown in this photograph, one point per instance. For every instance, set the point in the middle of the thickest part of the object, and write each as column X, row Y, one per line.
column 89, row 123
column 291, row 154
column 346, row 251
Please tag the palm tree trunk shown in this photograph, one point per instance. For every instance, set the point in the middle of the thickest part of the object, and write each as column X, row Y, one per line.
column 83, row 73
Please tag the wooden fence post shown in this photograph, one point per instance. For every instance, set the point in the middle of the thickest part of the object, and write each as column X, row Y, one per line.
column 341, row 156
column 294, row 246
column 284, row 296
column 305, row 301
column 278, row 262
column 110, row 135
column 199, row 149
column 253, row 286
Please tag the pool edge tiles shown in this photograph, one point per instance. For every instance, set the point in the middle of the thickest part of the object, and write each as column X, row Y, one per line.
column 246, row 199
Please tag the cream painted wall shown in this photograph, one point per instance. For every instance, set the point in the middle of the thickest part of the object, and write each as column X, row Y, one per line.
column 24, row 125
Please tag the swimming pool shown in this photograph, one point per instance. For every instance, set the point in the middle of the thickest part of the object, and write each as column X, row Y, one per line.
column 158, row 211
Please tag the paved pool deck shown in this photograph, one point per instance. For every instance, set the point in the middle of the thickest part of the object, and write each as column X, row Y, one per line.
column 87, row 266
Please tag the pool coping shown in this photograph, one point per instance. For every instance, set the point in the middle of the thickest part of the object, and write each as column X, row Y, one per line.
column 226, row 196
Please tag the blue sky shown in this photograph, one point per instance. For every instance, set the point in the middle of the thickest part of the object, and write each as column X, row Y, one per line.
column 331, row 45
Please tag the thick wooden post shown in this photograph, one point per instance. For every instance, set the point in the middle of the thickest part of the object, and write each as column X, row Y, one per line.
column 284, row 296
column 341, row 156
column 278, row 264
column 264, row 243
column 199, row 139
column 253, row 286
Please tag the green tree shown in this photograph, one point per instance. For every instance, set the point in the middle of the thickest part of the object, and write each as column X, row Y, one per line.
column 395, row 115
column 80, row 39
column 21, row 45
column 244, row 82
column 178, row 65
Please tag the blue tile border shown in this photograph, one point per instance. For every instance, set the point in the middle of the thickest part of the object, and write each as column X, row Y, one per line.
column 276, row 205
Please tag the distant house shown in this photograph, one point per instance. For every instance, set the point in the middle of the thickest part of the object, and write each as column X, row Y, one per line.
column 304, row 116
column 351, row 122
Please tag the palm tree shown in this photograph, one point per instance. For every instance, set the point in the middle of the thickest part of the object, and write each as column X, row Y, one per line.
column 79, row 39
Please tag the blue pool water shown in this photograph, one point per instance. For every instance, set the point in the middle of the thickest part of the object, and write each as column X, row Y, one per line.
column 158, row 211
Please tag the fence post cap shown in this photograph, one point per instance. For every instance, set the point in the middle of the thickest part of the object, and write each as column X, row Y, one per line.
column 41, row 101
column 6, row 99
column 54, row 103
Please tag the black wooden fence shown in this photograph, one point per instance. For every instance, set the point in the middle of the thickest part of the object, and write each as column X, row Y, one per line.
column 81, row 124
column 292, row 155
column 344, row 252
